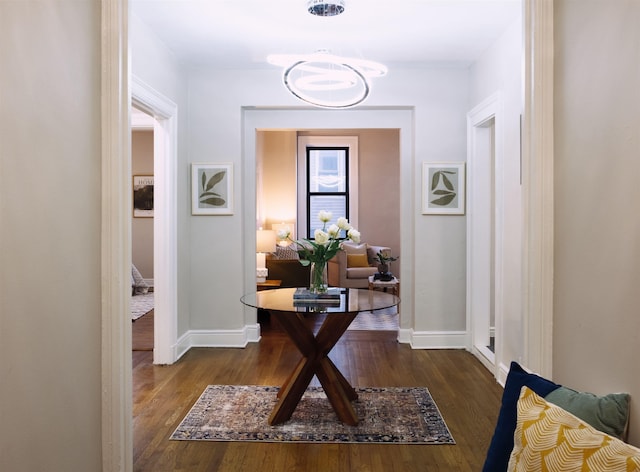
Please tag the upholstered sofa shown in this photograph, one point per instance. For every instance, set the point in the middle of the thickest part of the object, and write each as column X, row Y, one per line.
column 285, row 265
column 354, row 264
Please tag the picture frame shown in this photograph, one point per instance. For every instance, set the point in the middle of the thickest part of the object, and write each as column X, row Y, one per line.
column 143, row 196
column 211, row 189
column 443, row 188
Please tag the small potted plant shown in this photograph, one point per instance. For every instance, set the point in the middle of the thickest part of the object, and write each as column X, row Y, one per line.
column 383, row 262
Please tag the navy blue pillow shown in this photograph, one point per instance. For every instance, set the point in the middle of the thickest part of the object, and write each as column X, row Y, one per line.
column 502, row 442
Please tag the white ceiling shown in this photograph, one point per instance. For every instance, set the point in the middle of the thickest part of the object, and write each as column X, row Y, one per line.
column 241, row 33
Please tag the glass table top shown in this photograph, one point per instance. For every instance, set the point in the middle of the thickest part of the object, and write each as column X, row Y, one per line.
column 350, row 300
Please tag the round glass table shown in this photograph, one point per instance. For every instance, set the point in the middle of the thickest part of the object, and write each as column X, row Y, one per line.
column 341, row 309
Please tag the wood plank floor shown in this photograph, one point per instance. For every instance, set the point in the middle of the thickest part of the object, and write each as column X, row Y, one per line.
column 467, row 395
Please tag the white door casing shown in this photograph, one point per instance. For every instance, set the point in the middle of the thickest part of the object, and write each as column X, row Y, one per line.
column 165, row 221
column 485, row 227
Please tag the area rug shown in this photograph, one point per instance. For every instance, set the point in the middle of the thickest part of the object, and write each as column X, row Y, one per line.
column 404, row 415
column 141, row 305
column 379, row 320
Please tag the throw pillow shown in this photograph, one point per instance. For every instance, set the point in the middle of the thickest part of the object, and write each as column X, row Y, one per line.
column 608, row 413
column 501, row 445
column 357, row 260
column 286, row 253
column 139, row 285
column 552, row 439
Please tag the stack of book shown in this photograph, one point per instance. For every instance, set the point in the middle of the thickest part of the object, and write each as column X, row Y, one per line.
column 302, row 296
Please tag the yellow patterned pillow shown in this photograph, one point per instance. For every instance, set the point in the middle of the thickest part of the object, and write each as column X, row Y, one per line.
column 551, row 439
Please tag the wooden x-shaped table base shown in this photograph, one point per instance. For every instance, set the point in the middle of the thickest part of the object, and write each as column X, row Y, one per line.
column 315, row 361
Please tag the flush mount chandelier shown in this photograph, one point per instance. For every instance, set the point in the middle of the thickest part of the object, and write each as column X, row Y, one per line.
column 323, row 8
column 326, row 80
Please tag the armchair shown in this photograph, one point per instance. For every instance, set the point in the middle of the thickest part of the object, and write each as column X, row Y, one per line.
column 352, row 267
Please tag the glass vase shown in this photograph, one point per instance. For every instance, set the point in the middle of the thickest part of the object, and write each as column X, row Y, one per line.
column 318, row 282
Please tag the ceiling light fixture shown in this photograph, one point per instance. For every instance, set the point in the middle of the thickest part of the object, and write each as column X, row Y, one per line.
column 325, row 8
column 326, row 80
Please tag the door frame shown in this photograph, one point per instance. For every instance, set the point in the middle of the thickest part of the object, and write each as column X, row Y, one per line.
column 485, row 159
column 165, row 219
column 537, row 157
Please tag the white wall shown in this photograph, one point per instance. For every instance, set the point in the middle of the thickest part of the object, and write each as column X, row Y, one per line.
column 597, row 220
column 500, row 70
column 50, row 222
column 440, row 98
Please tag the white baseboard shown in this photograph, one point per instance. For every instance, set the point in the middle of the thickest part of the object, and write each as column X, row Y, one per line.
column 439, row 340
column 217, row 338
column 404, row 335
column 503, row 371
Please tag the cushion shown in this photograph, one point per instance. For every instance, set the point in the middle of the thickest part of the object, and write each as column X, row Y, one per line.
column 286, row 253
column 139, row 285
column 608, row 413
column 360, row 273
column 550, row 438
column 502, row 442
column 351, row 248
column 357, row 260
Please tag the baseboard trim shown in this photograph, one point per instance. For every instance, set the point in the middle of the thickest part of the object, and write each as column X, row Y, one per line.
column 217, row 338
column 404, row 335
column 439, row 340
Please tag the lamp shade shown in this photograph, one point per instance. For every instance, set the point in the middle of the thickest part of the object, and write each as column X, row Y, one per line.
column 265, row 240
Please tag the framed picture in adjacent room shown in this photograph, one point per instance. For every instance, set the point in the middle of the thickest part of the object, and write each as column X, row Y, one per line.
column 212, row 189
column 143, row 196
column 443, row 188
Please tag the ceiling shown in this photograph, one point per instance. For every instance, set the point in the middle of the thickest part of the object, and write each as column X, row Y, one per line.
column 240, row 34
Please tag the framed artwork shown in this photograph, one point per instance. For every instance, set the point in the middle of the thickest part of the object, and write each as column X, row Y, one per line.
column 143, row 196
column 211, row 189
column 443, row 188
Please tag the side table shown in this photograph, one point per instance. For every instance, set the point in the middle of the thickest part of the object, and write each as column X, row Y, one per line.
column 393, row 285
column 268, row 284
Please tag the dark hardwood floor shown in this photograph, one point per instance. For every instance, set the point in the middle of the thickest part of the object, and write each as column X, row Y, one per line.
column 466, row 394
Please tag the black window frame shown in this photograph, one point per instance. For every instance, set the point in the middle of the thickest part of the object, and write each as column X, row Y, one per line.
column 311, row 194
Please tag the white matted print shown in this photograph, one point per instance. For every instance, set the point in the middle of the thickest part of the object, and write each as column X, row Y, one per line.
column 443, row 188
column 211, row 189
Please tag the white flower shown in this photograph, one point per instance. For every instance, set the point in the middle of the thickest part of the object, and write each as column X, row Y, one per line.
column 354, row 235
column 333, row 231
column 343, row 223
column 320, row 236
column 283, row 234
column 324, row 216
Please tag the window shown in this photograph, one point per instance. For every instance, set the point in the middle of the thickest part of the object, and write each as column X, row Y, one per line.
column 327, row 180
column 327, row 184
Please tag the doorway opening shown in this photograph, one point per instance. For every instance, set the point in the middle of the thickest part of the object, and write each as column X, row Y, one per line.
column 142, row 236
column 164, row 113
column 484, row 228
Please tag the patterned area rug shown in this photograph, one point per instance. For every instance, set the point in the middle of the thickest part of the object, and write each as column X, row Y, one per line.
column 405, row 415
column 379, row 320
column 141, row 305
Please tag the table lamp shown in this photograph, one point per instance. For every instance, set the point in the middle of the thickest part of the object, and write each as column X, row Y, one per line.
column 265, row 242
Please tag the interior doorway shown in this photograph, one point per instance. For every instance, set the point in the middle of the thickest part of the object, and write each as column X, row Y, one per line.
column 164, row 113
column 142, row 173
column 485, row 199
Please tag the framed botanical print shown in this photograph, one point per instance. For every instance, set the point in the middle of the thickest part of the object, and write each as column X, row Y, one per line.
column 443, row 188
column 211, row 189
